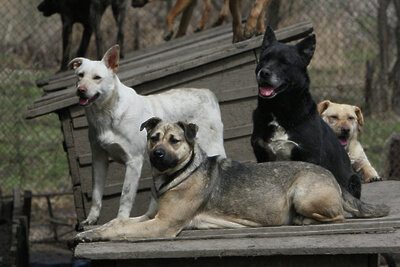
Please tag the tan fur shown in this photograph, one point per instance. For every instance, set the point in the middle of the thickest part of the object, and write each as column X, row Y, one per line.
column 255, row 20
column 343, row 116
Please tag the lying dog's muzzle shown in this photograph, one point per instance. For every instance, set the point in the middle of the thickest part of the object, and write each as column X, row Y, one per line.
column 162, row 160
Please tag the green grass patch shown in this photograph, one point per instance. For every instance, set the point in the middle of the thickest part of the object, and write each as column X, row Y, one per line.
column 31, row 153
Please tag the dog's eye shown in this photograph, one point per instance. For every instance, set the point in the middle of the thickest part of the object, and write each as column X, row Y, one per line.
column 333, row 117
column 350, row 118
column 173, row 140
column 80, row 75
column 96, row 77
column 155, row 138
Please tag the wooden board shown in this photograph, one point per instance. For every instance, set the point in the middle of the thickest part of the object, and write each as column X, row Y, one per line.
column 357, row 236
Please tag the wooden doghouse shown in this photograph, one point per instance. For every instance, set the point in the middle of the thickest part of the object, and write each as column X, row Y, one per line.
column 205, row 60
column 209, row 60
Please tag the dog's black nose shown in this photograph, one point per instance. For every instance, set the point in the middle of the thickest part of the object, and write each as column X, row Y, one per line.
column 345, row 131
column 159, row 153
column 265, row 73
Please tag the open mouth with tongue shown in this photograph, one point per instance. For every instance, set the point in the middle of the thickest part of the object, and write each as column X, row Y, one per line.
column 267, row 91
column 84, row 101
column 343, row 140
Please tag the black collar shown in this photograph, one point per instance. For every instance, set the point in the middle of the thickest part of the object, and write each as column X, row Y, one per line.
column 172, row 180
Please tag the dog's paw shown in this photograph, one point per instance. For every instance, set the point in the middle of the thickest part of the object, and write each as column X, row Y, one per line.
column 79, row 227
column 373, row 179
column 168, row 35
column 87, row 236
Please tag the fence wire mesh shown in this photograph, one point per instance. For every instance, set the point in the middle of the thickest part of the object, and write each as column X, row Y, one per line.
column 346, row 68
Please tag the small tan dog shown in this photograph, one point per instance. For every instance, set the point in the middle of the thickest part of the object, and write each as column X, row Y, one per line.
column 346, row 122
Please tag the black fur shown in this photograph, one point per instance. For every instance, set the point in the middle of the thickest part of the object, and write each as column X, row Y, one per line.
column 88, row 13
column 284, row 95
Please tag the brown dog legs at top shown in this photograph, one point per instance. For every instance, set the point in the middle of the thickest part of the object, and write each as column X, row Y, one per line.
column 204, row 17
column 186, row 16
column 222, row 14
column 235, row 7
column 255, row 19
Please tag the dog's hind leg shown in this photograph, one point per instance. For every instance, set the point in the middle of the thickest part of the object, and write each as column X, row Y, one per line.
column 204, row 17
column 222, row 14
column 131, row 181
column 234, row 6
column 66, row 41
column 119, row 12
column 253, row 18
column 87, row 33
column 177, row 9
column 97, row 9
column 317, row 199
column 185, row 19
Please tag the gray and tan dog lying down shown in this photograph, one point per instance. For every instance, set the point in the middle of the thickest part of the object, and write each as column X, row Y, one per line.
column 200, row 192
column 346, row 122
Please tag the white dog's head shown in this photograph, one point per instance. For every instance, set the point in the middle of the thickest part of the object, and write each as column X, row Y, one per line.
column 96, row 78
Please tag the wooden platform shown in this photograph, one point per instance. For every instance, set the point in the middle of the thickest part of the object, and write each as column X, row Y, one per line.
column 354, row 243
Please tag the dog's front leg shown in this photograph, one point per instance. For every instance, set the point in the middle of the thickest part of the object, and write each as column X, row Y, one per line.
column 99, row 173
column 122, row 228
column 131, row 181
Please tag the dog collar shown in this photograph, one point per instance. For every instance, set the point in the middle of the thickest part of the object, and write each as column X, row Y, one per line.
column 176, row 178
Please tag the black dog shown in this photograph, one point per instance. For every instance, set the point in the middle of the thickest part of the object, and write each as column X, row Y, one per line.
column 286, row 121
column 89, row 13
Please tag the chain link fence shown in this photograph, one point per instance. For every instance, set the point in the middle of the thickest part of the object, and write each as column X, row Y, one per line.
column 346, row 68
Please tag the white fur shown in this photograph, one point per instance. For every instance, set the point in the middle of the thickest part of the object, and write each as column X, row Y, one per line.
column 114, row 120
column 279, row 144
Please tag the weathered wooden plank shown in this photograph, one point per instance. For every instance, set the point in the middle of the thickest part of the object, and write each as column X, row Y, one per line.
column 353, row 260
column 46, row 109
column 76, row 111
column 252, row 246
column 79, row 203
column 174, row 44
column 239, row 131
column 80, row 122
column 239, row 149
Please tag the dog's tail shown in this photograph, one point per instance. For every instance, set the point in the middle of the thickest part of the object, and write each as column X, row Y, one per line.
column 361, row 209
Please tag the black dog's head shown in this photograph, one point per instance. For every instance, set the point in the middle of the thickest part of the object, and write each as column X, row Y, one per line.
column 49, row 7
column 283, row 67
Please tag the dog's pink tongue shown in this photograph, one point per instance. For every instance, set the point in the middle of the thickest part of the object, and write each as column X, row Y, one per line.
column 83, row 102
column 267, row 91
column 343, row 141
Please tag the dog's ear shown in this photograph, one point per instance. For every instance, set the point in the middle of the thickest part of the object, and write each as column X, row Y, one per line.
column 190, row 131
column 269, row 38
column 306, row 48
column 360, row 118
column 322, row 106
column 150, row 124
column 75, row 63
column 111, row 58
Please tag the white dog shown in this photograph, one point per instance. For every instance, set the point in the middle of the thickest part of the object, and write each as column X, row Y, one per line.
column 115, row 113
